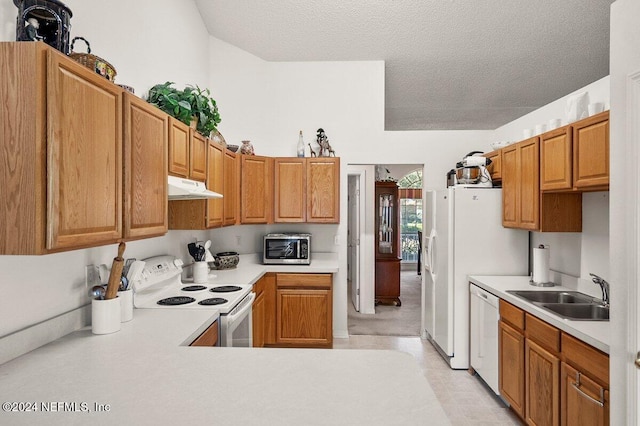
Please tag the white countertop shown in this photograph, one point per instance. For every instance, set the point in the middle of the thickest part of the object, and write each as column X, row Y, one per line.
column 146, row 377
column 250, row 268
column 595, row 333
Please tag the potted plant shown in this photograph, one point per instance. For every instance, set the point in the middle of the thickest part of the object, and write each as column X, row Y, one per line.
column 187, row 105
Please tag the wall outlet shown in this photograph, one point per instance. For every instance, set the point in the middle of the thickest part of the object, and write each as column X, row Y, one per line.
column 238, row 239
column 336, row 240
column 92, row 277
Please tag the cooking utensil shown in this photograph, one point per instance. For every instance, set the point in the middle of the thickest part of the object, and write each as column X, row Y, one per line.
column 193, row 250
column 116, row 273
column 201, row 252
column 97, row 292
column 127, row 265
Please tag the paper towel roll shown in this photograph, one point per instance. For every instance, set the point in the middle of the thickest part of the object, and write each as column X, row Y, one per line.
column 541, row 265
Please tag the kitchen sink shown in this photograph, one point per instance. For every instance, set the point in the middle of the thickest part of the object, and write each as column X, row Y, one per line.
column 545, row 296
column 579, row 311
column 571, row 305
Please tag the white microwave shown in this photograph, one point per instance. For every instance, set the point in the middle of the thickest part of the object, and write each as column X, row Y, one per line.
column 287, row 249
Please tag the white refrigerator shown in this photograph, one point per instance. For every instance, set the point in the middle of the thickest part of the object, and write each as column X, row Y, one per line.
column 466, row 238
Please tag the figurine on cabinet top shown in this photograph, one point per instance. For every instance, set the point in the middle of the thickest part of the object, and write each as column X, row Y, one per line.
column 325, row 149
column 31, row 29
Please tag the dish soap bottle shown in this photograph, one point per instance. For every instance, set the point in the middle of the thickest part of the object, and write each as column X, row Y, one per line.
column 300, row 145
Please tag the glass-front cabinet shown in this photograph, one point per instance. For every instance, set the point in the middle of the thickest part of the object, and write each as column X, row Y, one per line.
column 387, row 243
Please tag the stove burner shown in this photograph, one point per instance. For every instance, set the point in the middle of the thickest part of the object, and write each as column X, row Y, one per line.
column 194, row 288
column 213, row 301
column 225, row 289
column 179, row 300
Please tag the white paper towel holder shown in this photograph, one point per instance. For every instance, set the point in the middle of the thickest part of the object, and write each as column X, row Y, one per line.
column 540, row 284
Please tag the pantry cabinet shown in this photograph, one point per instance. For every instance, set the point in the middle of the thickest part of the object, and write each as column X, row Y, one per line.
column 576, row 157
column 304, row 310
column 61, row 148
column 524, row 206
column 549, row 377
column 256, row 187
column 307, row 190
column 145, row 162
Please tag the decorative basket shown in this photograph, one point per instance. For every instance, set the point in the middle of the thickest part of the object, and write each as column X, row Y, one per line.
column 93, row 62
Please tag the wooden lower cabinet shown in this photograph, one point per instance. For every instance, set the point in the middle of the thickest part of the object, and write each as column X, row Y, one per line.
column 387, row 281
column 304, row 310
column 264, row 311
column 209, row 337
column 511, row 367
column 549, row 377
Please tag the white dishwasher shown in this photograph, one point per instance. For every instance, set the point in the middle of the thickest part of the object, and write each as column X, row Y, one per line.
column 484, row 317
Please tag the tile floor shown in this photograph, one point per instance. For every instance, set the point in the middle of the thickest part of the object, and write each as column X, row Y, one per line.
column 465, row 399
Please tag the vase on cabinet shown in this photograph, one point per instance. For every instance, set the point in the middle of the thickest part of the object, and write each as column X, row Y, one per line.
column 247, row 148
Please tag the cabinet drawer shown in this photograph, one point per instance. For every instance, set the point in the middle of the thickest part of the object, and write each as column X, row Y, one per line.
column 304, row 280
column 586, row 358
column 542, row 333
column 512, row 315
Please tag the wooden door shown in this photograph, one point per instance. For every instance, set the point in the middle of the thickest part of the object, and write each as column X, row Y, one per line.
column 591, row 153
column 511, row 367
column 209, row 337
column 258, row 317
column 256, row 189
column 215, row 182
column 179, row 143
column 583, row 401
column 198, row 156
column 231, row 200
column 495, row 168
column 304, row 317
column 146, row 136
column 84, row 153
column 323, row 190
column 542, row 406
column 556, row 159
column 529, row 187
column 290, row 190
column 510, row 183
column 270, row 311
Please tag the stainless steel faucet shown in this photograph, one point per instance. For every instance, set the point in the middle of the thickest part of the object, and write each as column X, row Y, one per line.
column 604, row 286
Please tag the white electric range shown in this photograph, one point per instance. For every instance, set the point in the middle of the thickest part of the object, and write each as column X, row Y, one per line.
column 159, row 286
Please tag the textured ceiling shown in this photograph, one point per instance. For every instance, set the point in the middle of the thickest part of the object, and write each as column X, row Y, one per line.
column 449, row 64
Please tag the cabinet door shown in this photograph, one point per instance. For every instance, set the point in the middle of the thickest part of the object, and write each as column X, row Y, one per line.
column 510, row 187
column 529, row 184
column 270, row 308
column 258, row 317
column 146, row 135
column 387, row 218
column 584, row 402
column 556, row 160
column 290, row 186
column 542, row 368
column 179, row 143
column 323, row 190
column 591, row 153
column 495, row 168
column 257, row 189
column 198, row 156
column 231, row 200
column 84, row 152
column 209, row 337
column 511, row 367
column 215, row 182
column 304, row 317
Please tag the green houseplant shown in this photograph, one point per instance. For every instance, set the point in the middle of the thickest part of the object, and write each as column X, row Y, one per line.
column 187, row 104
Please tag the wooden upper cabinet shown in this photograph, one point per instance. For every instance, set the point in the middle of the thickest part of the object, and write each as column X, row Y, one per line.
column 146, row 135
column 556, row 159
column 495, row 168
column 215, row 182
column 509, row 187
column 231, row 200
column 323, row 190
column 84, row 156
column 179, row 144
column 290, row 190
column 198, row 156
column 520, row 185
column 256, row 189
column 591, row 153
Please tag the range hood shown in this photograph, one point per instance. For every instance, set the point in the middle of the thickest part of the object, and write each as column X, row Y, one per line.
column 187, row 189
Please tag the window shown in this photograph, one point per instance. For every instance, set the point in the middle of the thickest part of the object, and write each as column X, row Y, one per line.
column 410, row 215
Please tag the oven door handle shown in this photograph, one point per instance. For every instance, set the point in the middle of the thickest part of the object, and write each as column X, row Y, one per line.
column 245, row 305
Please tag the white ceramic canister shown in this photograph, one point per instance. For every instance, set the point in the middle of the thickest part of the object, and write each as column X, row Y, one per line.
column 105, row 316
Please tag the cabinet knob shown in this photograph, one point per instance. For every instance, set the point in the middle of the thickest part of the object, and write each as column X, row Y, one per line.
column 638, row 360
